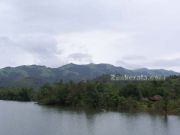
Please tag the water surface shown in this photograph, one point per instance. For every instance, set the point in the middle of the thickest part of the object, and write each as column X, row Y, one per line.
column 17, row 118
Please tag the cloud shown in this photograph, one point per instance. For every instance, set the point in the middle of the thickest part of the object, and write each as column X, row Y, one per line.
column 54, row 16
column 133, row 33
column 12, row 55
column 155, row 63
column 167, row 62
column 29, row 50
column 134, row 57
column 103, row 46
column 80, row 57
column 44, row 45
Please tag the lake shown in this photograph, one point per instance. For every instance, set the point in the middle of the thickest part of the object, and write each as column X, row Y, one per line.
column 18, row 118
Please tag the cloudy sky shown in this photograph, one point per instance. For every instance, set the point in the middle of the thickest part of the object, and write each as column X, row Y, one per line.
column 128, row 33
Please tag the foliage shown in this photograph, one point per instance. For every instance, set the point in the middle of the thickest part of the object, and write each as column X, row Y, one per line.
column 135, row 95
column 105, row 94
column 16, row 94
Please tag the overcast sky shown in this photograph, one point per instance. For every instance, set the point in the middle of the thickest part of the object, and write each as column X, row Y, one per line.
column 127, row 33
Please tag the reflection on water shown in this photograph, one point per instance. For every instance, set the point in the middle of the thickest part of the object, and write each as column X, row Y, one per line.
column 31, row 119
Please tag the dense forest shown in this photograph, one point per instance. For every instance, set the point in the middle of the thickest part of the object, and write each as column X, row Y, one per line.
column 102, row 93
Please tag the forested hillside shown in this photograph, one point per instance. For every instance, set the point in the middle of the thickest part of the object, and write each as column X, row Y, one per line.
column 35, row 76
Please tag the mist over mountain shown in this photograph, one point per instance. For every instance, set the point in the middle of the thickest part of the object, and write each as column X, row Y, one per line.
column 36, row 76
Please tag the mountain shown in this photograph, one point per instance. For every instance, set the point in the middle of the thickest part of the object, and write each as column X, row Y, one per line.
column 153, row 72
column 35, row 76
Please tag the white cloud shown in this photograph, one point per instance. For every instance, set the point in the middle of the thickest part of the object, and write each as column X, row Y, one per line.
column 11, row 55
column 80, row 58
column 103, row 46
column 47, row 32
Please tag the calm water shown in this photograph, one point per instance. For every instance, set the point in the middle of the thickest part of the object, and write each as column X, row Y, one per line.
column 31, row 119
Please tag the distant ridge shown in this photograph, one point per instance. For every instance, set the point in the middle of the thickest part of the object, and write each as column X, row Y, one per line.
column 35, row 75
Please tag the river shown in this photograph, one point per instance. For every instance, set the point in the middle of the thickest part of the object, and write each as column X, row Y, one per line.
column 19, row 118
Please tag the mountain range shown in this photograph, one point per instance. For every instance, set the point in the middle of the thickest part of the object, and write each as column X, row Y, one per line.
column 36, row 76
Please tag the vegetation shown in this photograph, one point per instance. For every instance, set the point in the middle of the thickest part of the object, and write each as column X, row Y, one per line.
column 16, row 94
column 101, row 93
column 35, row 76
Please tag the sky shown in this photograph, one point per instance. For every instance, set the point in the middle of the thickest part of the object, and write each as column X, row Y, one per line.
column 127, row 33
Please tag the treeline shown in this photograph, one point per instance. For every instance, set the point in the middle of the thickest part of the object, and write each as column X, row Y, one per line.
column 160, row 96
column 21, row 94
column 155, row 96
